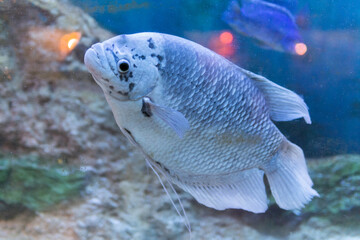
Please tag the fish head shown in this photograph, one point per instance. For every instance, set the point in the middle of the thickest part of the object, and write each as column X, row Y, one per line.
column 126, row 67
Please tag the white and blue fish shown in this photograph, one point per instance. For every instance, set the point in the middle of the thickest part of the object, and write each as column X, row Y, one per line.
column 204, row 122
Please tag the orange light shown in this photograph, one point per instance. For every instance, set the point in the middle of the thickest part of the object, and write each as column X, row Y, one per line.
column 68, row 42
column 300, row 48
column 72, row 43
column 225, row 50
column 226, row 37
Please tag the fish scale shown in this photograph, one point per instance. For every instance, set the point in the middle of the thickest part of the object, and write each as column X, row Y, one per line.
column 205, row 122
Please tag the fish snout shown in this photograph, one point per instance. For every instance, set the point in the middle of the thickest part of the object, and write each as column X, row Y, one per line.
column 92, row 60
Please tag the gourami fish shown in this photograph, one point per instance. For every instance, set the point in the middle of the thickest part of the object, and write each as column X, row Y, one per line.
column 202, row 121
column 271, row 25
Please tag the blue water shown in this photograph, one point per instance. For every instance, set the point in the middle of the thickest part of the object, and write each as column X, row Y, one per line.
column 328, row 76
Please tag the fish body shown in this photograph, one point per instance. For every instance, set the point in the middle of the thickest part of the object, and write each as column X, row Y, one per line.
column 271, row 25
column 205, row 122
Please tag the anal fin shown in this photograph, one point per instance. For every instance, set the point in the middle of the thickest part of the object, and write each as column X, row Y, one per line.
column 241, row 190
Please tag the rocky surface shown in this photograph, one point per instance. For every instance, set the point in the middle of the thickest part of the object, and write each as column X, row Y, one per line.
column 337, row 180
column 51, row 108
column 49, row 101
column 124, row 200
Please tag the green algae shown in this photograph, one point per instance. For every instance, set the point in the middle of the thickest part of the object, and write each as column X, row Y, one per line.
column 36, row 185
column 337, row 180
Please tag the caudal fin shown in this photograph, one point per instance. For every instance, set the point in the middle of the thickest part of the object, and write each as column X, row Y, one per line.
column 288, row 177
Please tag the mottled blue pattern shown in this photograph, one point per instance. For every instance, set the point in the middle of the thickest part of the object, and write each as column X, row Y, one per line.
column 215, row 94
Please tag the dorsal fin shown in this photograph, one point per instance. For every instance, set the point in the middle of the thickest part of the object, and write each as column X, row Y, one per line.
column 284, row 105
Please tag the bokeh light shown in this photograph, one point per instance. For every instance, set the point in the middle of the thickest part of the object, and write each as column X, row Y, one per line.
column 226, row 37
column 300, row 48
column 222, row 43
column 68, row 42
column 72, row 43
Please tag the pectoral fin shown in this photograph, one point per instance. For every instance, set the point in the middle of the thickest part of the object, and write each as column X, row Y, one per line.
column 171, row 117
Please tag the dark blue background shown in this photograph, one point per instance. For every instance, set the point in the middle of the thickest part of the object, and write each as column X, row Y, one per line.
column 328, row 76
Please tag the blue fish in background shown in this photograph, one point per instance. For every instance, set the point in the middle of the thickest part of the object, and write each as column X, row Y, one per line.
column 291, row 5
column 271, row 25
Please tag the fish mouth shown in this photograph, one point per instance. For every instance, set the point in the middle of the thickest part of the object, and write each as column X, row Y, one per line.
column 96, row 63
column 92, row 62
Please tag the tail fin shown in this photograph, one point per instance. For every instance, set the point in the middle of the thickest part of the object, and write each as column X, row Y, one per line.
column 288, row 177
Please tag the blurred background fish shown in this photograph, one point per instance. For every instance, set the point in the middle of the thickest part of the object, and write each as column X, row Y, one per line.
column 271, row 25
column 291, row 5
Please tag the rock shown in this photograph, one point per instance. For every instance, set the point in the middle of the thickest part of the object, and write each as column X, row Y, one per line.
column 322, row 228
column 49, row 103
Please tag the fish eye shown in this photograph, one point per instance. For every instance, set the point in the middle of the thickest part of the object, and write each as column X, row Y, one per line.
column 123, row 65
